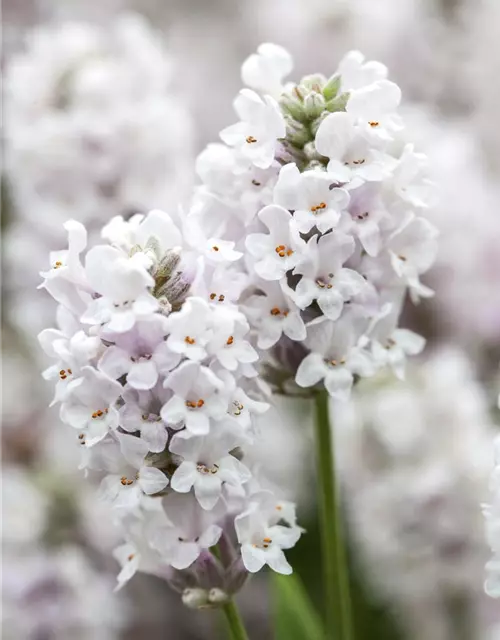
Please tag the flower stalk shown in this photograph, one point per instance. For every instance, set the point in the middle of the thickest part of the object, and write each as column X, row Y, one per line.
column 334, row 559
column 234, row 621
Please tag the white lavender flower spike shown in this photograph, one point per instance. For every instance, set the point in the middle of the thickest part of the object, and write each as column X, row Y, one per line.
column 304, row 232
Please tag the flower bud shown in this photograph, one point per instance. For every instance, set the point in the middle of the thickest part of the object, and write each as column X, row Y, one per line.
column 314, row 126
column 339, row 103
column 311, row 153
column 296, row 133
column 236, row 576
column 217, row 597
column 195, row 598
column 164, row 306
column 166, row 267
column 208, row 570
column 227, row 550
column 180, row 581
column 314, row 82
column 286, row 153
column 332, row 87
column 314, row 105
column 175, row 290
column 152, row 248
column 291, row 103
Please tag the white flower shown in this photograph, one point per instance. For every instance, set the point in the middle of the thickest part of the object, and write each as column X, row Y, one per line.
column 66, row 263
column 160, row 227
column 190, row 329
column 351, row 154
column 311, row 198
column 123, row 283
column 197, row 398
column 228, row 344
column 335, row 357
column 219, row 284
column 281, row 249
column 136, row 555
column 207, row 464
column 141, row 354
column 391, row 345
column 261, row 125
column 72, row 353
column 264, row 71
column 374, row 108
column 274, row 314
column 412, row 249
column 141, row 412
column 261, row 537
column 66, row 280
column 366, row 217
column 409, row 180
column 209, row 220
column 355, row 73
column 324, row 278
column 130, row 477
column 89, row 404
column 191, row 531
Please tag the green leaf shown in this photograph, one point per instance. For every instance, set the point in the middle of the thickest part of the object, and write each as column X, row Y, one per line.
column 295, row 617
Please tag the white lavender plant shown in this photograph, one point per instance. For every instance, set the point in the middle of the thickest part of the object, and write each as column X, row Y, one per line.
column 291, row 265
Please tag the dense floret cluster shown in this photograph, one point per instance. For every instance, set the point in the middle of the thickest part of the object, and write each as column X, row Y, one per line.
column 299, row 247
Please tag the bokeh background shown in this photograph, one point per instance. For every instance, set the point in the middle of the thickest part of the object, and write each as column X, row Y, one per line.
column 106, row 105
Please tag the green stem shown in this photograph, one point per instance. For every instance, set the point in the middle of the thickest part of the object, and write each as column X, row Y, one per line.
column 335, row 567
column 234, row 621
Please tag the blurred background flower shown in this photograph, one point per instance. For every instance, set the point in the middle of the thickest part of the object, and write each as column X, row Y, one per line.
column 105, row 111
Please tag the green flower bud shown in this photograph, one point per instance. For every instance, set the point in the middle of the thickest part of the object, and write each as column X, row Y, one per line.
column 339, row 103
column 296, row 133
column 314, row 82
column 153, row 246
column 291, row 103
column 314, row 105
column 311, row 153
column 332, row 87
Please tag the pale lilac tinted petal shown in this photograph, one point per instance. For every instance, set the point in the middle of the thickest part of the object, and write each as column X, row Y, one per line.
column 143, row 375
column 184, row 477
column 338, row 383
column 154, row 435
column 253, row 559
column 207, row 489
column 152, row 480
column 311, row 370
column 277, row 561
column 115, row 362
column 197, row 422
column 210, row 536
